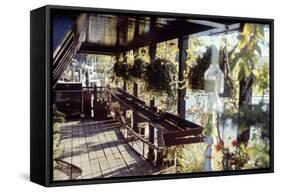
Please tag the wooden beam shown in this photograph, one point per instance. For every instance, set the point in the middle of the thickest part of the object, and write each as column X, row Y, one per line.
column 135, row 86
column 169, row 32
column 183, row 45
column 97, row 48
column 185, row 133
column 181, row 141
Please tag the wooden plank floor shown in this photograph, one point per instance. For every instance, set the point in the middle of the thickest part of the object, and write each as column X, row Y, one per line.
column 99, row 149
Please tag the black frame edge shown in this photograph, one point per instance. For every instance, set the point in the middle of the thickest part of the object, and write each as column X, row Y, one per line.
column 44, row 170
column 38, row 155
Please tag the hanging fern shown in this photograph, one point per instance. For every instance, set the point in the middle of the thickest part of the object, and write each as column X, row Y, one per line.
column 160, row 75
column 196, row 72
column 138, row 69
column 122, row 69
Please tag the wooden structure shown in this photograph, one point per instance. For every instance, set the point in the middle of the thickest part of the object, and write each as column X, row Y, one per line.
column 115, row 35
column 174, row 130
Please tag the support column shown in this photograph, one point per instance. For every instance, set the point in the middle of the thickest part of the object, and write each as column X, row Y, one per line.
column 183, row 45
column 150, row 154
column 152, row 52
column 124, row 82
column 135, row 92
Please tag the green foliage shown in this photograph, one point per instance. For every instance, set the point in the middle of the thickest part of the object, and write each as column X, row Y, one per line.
column 138, row 69
column 235, row 160
column 259, row 154
column 210, row 126
column 261, row 79
column 167, row 50
column 194, row 158
column 252, row 156
column 255, row 116
column 188, row 158
column 58, row 118
column 160, row 75
column 122, row 69
column 248, row 50
column 56, row 128
column 196, row 71
column 173, row 156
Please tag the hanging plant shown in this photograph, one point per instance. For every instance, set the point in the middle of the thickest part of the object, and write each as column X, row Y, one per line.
column 138, row 69
column 122, row 69
column 160, row 75
column 196, row 72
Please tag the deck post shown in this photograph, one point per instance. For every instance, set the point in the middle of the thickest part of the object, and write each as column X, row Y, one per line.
column 124, row 81
column 135, row 125
column 135, row 92
column 95, row 94
column 150, row 154
column 183, row 45
column 152, row 51
column 152, row 47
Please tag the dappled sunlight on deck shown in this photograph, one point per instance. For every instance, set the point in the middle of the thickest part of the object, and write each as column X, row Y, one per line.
column 99, row 149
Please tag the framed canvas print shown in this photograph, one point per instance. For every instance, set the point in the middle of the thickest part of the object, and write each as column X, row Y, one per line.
column 122, row 95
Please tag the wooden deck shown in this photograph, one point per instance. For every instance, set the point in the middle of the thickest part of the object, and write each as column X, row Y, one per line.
column 99, row 149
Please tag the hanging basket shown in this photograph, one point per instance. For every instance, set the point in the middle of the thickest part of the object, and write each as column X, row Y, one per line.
column 138, row 69
column 122, row 69
column 196, row 73
column 160, row 75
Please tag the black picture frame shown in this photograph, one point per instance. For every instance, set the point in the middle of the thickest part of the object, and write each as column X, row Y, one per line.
column 41, row 90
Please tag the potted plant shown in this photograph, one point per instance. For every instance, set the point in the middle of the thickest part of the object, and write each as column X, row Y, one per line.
column 160, row 75
column 196, row 72
column 138, row 69
column 122, row 69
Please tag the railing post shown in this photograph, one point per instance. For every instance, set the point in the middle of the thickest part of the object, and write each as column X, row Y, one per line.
column 95, row 94
column 135, row 125
column 150, row 155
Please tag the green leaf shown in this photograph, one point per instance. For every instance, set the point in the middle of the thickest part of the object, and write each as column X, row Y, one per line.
column 258, row 49
column 255, row 73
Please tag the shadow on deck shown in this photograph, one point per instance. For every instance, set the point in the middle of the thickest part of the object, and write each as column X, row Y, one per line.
column 100, row 150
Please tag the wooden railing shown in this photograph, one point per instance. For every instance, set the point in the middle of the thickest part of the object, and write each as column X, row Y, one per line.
column 137, row 141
